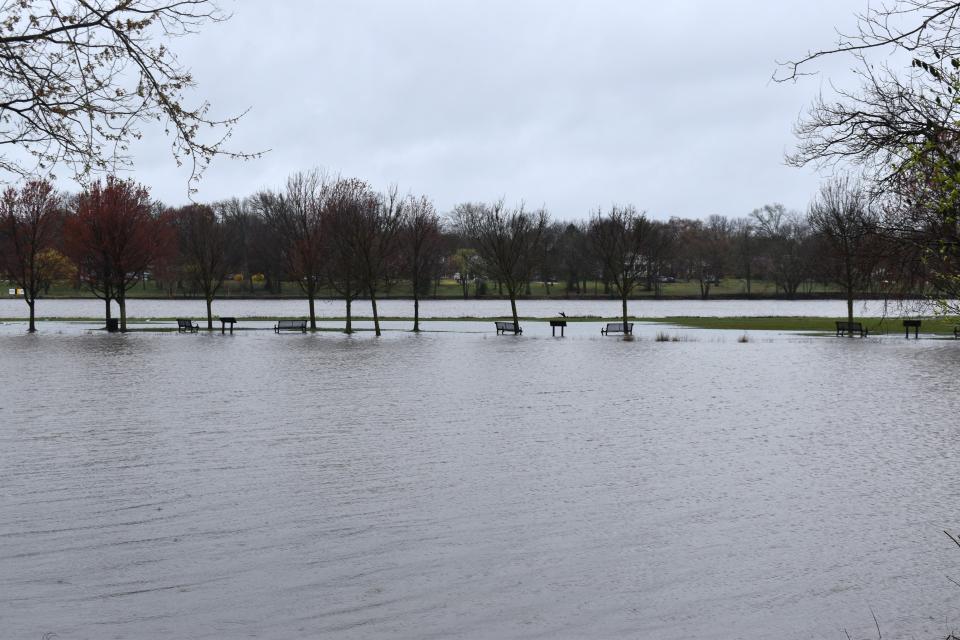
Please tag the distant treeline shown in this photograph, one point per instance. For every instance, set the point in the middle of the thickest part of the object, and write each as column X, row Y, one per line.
column 340, row 235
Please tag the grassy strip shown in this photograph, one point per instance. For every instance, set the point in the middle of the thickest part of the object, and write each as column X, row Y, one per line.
column 943, row 325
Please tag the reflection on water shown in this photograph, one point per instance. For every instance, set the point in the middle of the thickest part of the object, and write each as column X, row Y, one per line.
column 465, row 485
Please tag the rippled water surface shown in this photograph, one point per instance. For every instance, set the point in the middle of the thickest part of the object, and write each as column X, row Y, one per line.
column 461, row 485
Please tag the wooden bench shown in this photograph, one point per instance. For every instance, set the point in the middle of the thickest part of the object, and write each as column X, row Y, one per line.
column 617, row 327
column 844, row 327
column 186, row 325
column 504, row 327
column 290, row 325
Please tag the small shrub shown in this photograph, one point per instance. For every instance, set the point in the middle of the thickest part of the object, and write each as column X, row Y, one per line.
column 743, row 338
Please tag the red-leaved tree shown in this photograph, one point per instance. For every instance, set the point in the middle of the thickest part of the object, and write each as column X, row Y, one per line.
column 113, row 236
column 30, row 220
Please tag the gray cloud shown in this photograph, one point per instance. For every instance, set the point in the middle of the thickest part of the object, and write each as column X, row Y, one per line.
column 568, row 104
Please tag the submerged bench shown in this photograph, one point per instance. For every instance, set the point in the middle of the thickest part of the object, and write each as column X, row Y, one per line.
column 617, row 327
column 844, row 327
column 186, row 325
column 290, row 325
column 512, row 327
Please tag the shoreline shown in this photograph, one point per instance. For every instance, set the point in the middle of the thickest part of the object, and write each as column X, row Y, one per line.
column 818, row 324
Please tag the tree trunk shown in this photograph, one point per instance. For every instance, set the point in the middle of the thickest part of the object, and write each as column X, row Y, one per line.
column 349, row 328
column 33, row 324
column 107, row 315
column 376, row 317
column 850, row 309
column 623, row 301
column 209, row 314
column 416, row 310
column 313, row 312
column 513, row 308
column 122, row 301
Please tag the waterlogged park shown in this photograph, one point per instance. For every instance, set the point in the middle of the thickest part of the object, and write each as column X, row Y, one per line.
column 287, row 403
column 719, row 475
column 388, row 423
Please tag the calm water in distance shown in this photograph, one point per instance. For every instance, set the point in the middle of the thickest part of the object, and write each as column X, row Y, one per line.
column 463, row 485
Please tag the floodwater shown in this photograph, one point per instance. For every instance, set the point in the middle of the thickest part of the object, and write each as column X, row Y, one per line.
column 463, row 485
column 138, row 308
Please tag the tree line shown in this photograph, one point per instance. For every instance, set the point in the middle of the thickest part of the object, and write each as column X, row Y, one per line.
column 339, row 236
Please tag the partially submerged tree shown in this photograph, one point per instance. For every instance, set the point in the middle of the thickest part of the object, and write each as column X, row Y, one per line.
column 342, row 224
column 81, row 79
column 113, row 236
column 421, row 244
column 30, row 222
column 203, row 251
column 295, row 215
column 618, row 239
column 376, row 242
column 843, row 217
column 506, row 240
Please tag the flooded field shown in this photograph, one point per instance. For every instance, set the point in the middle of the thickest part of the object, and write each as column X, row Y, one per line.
column 456, row 484
column 91, row 308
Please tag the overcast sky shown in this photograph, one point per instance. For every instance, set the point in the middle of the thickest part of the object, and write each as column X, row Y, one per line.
column 572, row 105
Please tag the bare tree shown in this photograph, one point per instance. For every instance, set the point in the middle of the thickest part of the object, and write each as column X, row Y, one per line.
column 296, row 216
column 376, row 242
column 707, row 244
column 421, row 243
column 618, row 239
column 745, row 248
column 203, row 250
column 842, row 215
column 81, row 78
column 507, row 241
column 464, row 260
column 343, row 214
column 785, row 238
column 30, row 222
column 901, row 125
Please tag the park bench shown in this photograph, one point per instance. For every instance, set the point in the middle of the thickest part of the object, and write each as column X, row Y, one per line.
column 617, row 327
column 844, row 327
column 186, row 325
column 290, row 325
column 503, row 327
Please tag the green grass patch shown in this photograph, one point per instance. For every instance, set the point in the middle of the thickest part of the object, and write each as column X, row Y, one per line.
column 943, row 325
